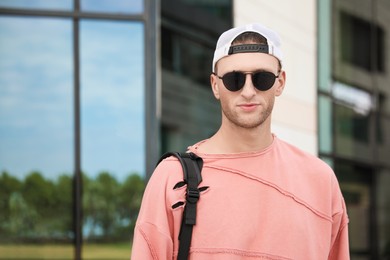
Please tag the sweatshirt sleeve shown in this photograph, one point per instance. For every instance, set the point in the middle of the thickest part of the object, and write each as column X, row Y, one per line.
column 150, row 244
column 339, row 240
column 154, row 230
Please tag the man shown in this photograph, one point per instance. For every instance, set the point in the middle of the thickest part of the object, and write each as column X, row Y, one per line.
column 266, row 199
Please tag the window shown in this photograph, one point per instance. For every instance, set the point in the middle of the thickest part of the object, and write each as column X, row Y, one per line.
column 356, row 182
column 186, row 57
column 362, row 43
column 219, row 8
column 49, row 5
column 190, row 112
column 354, row 116
column 113, row 6
column 36, row 136
column 112, row 130
column 72, row 104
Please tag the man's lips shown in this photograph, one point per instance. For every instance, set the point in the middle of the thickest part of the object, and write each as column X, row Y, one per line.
column 248, row 106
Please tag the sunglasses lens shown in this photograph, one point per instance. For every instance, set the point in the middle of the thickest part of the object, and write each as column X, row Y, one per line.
column 263, row 80
column 234, row 81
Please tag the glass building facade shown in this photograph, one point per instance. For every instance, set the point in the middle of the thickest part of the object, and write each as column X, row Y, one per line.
column 72, row 126
column 354, row 115
column 189, row 110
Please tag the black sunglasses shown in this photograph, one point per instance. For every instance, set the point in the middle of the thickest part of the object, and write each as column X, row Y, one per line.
column 235, row 80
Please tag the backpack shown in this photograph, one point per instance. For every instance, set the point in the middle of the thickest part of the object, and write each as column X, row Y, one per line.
column 192, row 167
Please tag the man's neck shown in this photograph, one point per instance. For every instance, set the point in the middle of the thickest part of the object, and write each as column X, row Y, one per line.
column 234, row 139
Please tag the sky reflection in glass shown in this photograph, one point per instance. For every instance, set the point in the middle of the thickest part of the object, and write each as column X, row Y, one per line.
column 36, row 97
column 101, row 6
column 36, row 91
column 116, row 6
column 38, row 4
column 112, row 97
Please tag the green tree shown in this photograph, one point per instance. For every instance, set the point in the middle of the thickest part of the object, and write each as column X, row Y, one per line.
column 100, row 200
column 40, row 195
column 63, row 207
column 22, row 216
column 8, row 185
column 130, row 196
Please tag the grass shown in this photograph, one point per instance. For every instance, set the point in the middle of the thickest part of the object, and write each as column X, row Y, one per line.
column 89, row 252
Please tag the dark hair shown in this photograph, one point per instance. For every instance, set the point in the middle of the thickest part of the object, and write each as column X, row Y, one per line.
column 249, row 37
column 252, row 37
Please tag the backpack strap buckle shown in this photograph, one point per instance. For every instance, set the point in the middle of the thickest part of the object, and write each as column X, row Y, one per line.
column 193, row 195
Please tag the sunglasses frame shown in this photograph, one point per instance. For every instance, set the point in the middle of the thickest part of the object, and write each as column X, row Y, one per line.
column 252, row 73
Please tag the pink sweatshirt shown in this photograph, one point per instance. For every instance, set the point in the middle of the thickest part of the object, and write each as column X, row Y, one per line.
column 279, row 203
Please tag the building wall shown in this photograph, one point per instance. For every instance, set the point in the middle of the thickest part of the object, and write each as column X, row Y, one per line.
column 190, row 112
column 295, row 116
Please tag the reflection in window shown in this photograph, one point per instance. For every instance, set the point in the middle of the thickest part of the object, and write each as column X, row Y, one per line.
column 356, row 184
column 117, row 6
column 186, row 57
column 40, row 4
column 361, row 101
column 383, row 202
column 36, row 136
column 352, row 134
column 219, row 8
column 351, row 125
column 357, row 42
column 112, row 129
column 362, row 126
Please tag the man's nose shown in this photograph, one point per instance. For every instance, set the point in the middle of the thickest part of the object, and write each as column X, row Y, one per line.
column 249, row 90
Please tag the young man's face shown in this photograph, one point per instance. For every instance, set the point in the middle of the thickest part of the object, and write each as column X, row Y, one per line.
column 247, row 107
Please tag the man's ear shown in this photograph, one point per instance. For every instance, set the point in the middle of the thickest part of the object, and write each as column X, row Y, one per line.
column 281, row 80
column 214, row 85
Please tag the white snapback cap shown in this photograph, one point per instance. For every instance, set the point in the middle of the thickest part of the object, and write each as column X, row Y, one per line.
column 224, row 42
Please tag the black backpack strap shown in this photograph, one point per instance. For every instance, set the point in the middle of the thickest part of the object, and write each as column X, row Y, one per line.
column 192, row 167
